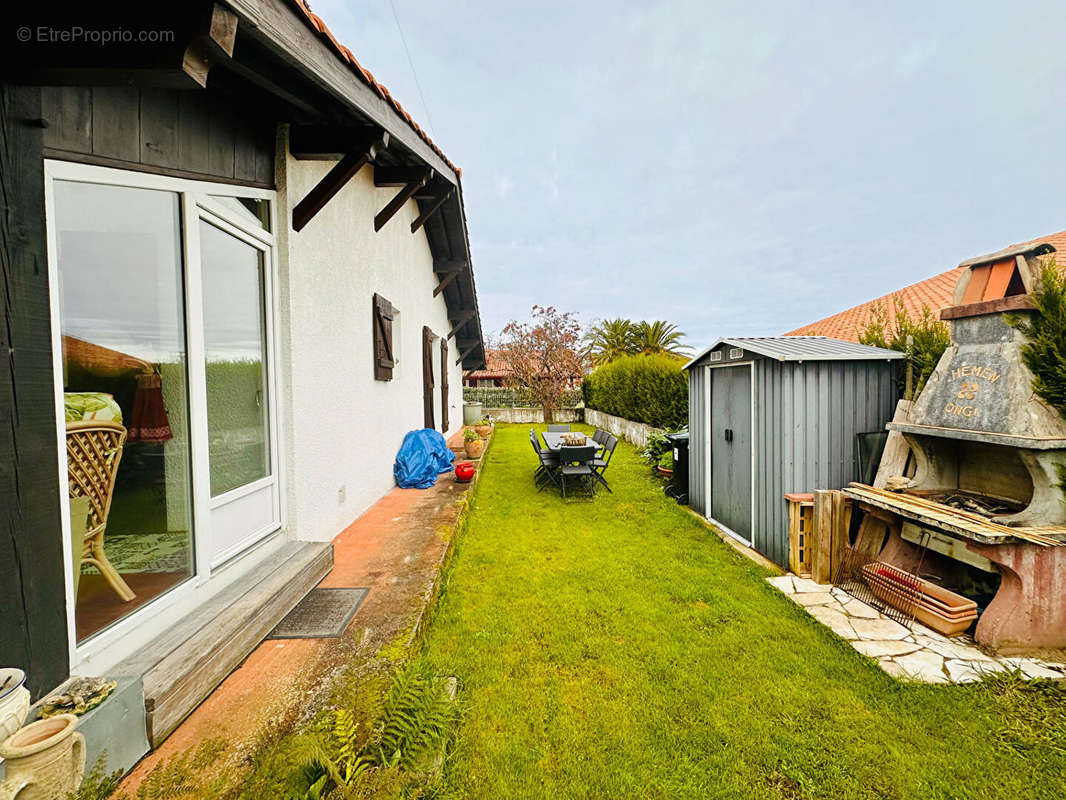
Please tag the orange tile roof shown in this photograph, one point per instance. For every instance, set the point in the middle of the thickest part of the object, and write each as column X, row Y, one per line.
column 495, row 367
column 934, row 293
column 346, row 55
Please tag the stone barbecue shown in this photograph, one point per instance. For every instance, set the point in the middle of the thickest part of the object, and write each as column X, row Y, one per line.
column 984, row 486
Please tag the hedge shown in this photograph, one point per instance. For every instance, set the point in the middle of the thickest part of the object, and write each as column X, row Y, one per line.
column 652, row 389
column 504, row 397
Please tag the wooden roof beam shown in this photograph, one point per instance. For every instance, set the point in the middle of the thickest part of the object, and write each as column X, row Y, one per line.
column 342, row 172
column 329, row 142
column 448, row 278
column 465, row 353
column 458, row 320
column 444, row 266
column 402, row 196
column 431, row 209
column 384, row 175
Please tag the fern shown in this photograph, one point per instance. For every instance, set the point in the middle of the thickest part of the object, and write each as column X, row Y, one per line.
column 98, row 784
column 185, row 775
column 417, row 716
column 419, row 712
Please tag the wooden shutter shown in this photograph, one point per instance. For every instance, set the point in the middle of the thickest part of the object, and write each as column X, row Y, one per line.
column 383, row 352
column 443, row 385
column 427, row 377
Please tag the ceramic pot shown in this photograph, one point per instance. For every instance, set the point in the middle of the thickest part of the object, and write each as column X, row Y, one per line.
column 475, row 448
column 14, row 701
column 45, row 760
column 484, row 431
column 464, row 472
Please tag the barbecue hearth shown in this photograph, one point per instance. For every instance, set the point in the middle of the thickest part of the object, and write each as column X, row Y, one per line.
column 986, row 447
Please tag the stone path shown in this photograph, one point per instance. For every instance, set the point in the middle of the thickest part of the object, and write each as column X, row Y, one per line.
column 916, row 653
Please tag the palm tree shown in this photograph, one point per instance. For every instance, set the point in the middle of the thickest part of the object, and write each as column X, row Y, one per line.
column 659, row 336
column 610, row 338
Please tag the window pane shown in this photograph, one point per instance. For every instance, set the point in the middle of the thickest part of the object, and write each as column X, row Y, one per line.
column 235, row 352
column 124, row 373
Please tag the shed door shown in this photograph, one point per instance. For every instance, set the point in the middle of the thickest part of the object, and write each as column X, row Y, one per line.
column 730, row 449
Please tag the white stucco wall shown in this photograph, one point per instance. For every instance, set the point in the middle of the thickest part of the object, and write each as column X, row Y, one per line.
column 341, row 427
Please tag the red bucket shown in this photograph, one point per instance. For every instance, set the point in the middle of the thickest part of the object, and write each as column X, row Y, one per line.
column 464, row 471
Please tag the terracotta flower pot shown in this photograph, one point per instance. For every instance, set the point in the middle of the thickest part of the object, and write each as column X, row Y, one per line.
column 484, row 431
column 666, row 473
column 475, row 448
column 14, row 701
column 45, row 760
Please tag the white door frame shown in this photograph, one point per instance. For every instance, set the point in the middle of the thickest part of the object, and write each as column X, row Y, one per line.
column 211, row 213
column 708, row 488
column 195, row 200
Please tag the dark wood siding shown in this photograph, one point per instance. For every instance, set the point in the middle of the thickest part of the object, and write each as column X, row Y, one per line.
column 206, row 135
column 33, row 627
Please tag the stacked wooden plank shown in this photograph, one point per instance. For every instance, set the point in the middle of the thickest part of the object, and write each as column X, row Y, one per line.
column 947, row 518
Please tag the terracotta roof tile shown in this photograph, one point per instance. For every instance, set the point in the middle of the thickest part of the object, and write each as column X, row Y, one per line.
column 366, row 76
column 495, row 367
column 934, row 293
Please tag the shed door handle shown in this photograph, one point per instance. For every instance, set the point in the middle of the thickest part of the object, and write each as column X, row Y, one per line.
column 729, row 434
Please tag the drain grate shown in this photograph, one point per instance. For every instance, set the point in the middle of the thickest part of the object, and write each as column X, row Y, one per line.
column 322, row 614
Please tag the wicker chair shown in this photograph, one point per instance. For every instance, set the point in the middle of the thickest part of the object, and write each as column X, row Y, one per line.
column 94, row 450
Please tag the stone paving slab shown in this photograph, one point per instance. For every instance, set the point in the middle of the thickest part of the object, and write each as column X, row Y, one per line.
column 913, row 653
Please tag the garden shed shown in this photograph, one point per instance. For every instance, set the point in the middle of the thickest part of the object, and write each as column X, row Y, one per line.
column 770, row 416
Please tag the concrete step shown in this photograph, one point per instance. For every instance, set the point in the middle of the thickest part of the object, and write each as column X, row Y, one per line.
column 182, row 666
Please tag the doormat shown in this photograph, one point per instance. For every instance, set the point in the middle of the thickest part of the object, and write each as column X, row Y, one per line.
column 322, row 614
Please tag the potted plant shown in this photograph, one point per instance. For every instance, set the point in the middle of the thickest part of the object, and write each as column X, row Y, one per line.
column 665, row 466
column 483, row 428
column 473, row 443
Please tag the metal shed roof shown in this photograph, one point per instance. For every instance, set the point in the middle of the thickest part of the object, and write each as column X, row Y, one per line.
column 804, row 348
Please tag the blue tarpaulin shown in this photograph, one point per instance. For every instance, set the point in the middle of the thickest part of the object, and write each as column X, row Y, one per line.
column 423, row 455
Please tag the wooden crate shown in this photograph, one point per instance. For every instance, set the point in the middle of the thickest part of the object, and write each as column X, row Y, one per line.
column 800, row 526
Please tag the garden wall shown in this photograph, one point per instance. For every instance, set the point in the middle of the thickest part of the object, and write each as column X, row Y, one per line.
column 532, row 416
column 635, row 433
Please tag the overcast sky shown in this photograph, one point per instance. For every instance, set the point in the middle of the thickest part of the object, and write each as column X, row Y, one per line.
column 739, row 168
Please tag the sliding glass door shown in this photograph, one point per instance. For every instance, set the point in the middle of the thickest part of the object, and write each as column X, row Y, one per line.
column 164, row 325
column 125, row 396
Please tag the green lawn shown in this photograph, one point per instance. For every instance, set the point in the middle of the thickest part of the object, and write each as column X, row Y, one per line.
column 617, row 648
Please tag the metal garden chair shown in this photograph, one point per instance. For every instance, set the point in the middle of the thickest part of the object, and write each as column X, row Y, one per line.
column 575, row 463
column 548, row 466
column 600, row 463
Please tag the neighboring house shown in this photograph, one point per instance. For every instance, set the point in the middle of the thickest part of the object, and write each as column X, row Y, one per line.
column 494, row 374
column 934, row 293
column 236, row 273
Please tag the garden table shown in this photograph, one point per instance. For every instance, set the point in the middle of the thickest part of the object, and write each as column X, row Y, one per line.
column 553, row 441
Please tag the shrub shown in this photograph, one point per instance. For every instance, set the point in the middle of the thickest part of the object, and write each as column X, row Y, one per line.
column 652, row 389
column 505, row 397
column 929, row 338
column 1045, row 352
